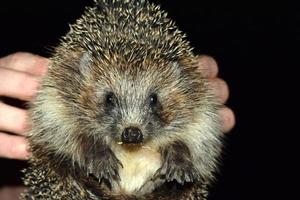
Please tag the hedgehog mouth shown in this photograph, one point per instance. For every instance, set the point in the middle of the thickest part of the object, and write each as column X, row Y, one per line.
column 130, row 146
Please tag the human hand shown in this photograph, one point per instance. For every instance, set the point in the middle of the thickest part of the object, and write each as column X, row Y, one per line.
column 19, row 78
column 209, row 69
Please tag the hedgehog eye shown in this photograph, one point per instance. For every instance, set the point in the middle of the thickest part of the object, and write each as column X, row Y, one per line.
column 110, row 99
column 153, row 99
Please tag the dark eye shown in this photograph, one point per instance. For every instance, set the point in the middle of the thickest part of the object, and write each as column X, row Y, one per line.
column 153, row 99
column 110, row 99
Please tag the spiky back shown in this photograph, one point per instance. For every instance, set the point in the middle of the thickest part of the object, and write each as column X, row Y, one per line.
column 135, row 29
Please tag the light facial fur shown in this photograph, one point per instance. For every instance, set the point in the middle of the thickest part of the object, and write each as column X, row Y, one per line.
column 123, row 111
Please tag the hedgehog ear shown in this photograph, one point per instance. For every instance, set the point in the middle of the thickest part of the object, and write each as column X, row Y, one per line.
column 85, row 63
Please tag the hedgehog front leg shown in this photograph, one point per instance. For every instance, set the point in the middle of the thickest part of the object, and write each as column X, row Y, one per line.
column 105, row 166
column 178, row 164
column 100, row 161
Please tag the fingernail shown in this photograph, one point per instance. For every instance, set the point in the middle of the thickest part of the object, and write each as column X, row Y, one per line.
column 215, row 89
column 24, row 150
column 43, row 64
column 32, row 87
column 24, row 123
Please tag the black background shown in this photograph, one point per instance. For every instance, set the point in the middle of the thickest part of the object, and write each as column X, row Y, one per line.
column 256, row 45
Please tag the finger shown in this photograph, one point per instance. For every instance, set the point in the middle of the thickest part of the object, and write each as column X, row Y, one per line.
column 25, row 62
column 17, row 84
column 14, row 147
column 11, row 192
column 220, row 89
column 227, row 119
column 208, row 66
column 13, row 119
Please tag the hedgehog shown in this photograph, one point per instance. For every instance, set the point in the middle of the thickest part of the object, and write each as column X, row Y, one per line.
column 124, row 112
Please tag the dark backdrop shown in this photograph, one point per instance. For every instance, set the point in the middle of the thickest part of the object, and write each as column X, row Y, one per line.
column 256, row 46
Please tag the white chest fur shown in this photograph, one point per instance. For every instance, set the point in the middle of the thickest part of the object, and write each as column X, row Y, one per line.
column 139, row 165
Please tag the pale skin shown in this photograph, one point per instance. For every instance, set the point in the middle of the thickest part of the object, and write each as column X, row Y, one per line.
column 20, row 74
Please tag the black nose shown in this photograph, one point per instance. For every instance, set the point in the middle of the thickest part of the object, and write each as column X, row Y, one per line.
column 132, row 135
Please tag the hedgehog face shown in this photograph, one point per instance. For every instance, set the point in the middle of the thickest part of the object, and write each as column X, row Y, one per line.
column 136, row 102
column 131, row 107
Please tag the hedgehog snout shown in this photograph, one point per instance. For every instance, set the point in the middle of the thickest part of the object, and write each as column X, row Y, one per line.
column 132, row 135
